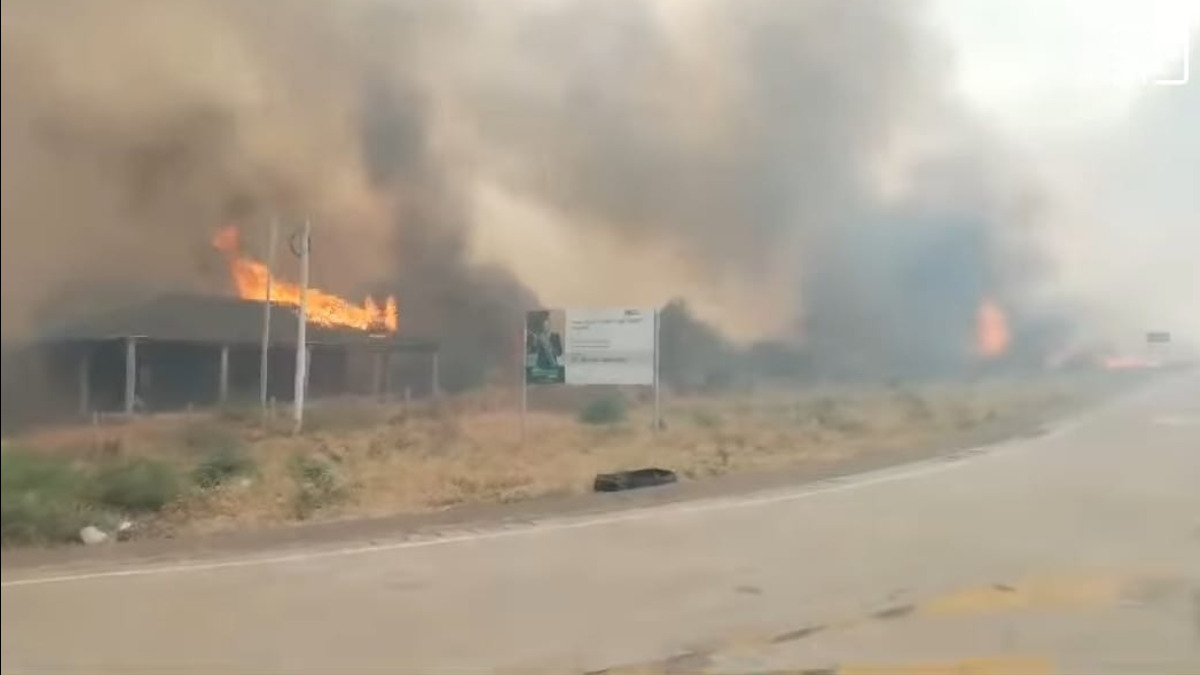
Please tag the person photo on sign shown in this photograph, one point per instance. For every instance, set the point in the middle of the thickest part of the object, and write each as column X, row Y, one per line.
column 543, row 348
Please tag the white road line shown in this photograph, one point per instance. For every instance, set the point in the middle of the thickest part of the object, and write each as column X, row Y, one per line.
column 1177, row 421
column 830, row 486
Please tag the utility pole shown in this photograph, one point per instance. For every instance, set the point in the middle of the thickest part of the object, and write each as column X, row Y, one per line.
column 657, row 377
column 265, row 351
column 524, row 356
column 302, row 328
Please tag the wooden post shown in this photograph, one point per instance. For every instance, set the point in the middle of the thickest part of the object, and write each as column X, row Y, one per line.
column 523, row 341
column 85, row 382
column 377, row 381
column 437, row 383
column 308, row 357
column 264, row 351
column 387, row 376
column 223, row 389
column 657, row 382
column 130, row 374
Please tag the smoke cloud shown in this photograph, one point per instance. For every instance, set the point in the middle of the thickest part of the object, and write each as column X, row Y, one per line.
column 1127, row 240
column 795, row 170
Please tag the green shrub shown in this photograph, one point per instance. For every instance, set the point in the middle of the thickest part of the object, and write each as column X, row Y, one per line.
column 606, row 410
column 48, row 499
column 707, row 419
column 42, row 499
column 914, row 406
column 240, row 411
column 343, row 416
column 222, row 453
column 832, row 414
column 221, row 464
column 317, row 486
column 209, row 436
column 136, row 484
column 827, row 412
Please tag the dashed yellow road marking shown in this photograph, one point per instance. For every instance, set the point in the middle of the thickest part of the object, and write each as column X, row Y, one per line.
column 1075, row 591
column 1067, row 591
column 656, row 668
column 1007, row 665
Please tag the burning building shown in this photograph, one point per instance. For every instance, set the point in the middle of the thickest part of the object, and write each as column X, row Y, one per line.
column 826, row 192
column 183, row 351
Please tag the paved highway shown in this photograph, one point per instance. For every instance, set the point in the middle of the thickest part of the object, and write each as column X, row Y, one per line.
column 1076, row 551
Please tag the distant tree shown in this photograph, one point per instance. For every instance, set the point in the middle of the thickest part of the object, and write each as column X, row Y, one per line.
column 693, row 353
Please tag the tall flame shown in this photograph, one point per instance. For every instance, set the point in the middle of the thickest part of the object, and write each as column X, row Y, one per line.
column 992, row 336
column 251, row 277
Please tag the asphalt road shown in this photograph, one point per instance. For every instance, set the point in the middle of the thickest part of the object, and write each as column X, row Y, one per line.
column 1076, row 551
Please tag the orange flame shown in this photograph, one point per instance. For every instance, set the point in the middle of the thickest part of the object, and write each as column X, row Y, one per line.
column 1127, row 363
column 251, row 276
column 992, row 336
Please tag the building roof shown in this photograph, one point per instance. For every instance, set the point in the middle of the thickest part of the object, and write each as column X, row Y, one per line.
column 217, row 320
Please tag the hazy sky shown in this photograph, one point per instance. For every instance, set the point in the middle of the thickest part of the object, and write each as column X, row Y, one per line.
column 1119, row 158
column 1059, row 66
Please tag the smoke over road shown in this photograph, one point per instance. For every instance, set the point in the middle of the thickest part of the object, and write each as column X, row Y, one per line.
column 1127, row 241
column 796, row 170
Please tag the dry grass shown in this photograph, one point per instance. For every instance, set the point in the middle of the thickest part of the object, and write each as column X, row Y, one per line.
column 369, row 459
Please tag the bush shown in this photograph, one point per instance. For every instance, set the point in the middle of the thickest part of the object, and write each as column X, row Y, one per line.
column 48, row 499
column 223, row 453
column 221, row 464
column 317, row 486
column 826, row 412
column 43, row 499
column 210, row 437
column 914, row 406
column 340, row 416
column 137, row 484
column 707, row 419
column 606, row 410
column 240, row 412
column 830, row 413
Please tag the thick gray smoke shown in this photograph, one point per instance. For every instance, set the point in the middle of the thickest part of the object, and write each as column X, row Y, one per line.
column 1128, row 248
column 133, row 130
column 806, row 150
column 791, row 166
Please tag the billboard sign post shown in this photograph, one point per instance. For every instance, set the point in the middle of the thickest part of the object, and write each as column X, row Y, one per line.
column 1158, row 346
column 610, row 346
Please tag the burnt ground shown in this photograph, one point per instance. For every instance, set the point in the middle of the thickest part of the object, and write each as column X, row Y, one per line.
column 331, row 533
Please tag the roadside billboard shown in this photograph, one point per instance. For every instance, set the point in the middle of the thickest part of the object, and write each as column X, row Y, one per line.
column 544, row 362
column 590, row 346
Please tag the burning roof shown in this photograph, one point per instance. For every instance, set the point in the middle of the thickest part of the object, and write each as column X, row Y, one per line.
column 254, row 281
column 209, row 319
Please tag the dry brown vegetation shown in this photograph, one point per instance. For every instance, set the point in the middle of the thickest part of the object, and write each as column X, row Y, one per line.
column 368, row 459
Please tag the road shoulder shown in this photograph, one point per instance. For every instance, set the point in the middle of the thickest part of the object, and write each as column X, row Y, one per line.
column 334, row 534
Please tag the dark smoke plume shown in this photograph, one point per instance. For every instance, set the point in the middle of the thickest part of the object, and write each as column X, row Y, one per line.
column 794, row 166
column 804, row 149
